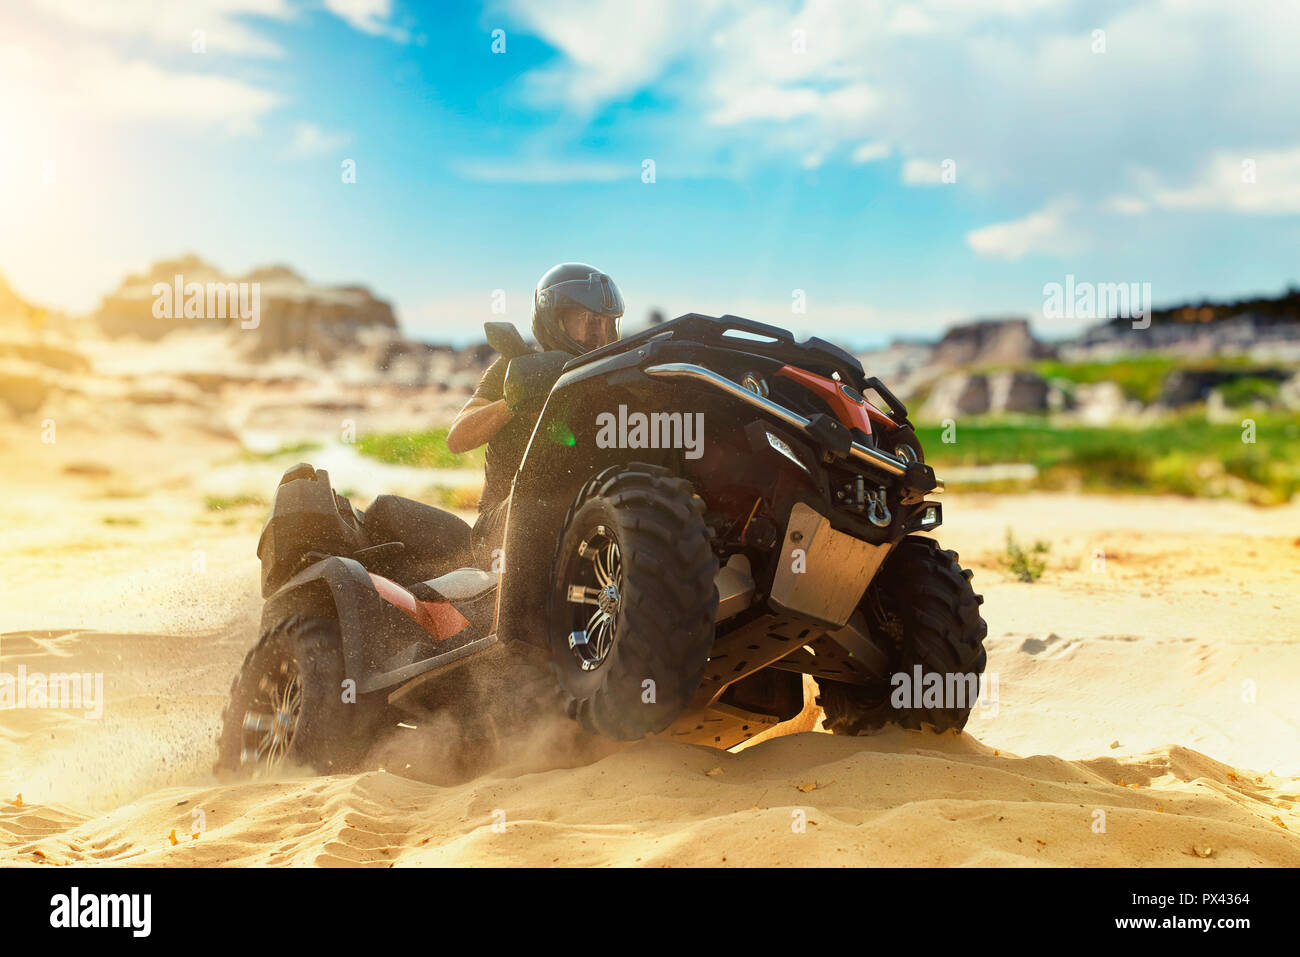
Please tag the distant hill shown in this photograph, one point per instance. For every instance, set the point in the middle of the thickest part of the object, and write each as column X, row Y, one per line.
column 988, row 342
column 14, row 311
column 1265, row 310
column 1260, row 325
column 291, row 313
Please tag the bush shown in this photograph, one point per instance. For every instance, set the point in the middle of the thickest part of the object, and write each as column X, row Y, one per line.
column 1027, row 565
column 1249, row 390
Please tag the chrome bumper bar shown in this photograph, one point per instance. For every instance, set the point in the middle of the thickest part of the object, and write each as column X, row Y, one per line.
column 685, row 370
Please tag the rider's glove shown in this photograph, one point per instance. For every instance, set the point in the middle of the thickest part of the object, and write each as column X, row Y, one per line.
column 529, row 378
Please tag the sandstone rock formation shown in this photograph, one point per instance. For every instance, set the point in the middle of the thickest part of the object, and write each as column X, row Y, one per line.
column 292, row 313
column 988, row 342
column 993, row 393
column 1264, row 327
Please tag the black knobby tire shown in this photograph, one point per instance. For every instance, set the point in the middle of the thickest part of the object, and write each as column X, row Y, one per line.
column 331, row 735
column 922, row 608
column 663, row 627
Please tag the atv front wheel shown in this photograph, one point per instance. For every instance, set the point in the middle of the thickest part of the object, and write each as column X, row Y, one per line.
column 922, row 611
column 287, row 705
column 903, row 443
column 632, row 605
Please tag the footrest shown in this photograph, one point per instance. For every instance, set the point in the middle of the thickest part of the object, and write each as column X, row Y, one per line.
column 428, row 668
column 463, row 584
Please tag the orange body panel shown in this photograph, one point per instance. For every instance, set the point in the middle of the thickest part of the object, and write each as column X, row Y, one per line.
column 854, row 414
column 438, row 618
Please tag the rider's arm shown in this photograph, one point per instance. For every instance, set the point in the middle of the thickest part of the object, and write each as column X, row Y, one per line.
column 484, row 414
column 477, row 423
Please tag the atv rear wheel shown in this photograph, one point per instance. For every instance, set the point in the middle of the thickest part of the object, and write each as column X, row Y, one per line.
column 923, row 612
column 631, row 611
column 287, row 705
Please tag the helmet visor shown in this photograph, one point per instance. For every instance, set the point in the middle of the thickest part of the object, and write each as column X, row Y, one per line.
column 597, row 293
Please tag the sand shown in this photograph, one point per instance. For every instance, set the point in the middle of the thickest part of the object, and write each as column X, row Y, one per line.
column 1145, row 710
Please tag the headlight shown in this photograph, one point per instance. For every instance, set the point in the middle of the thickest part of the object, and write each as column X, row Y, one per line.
column 783, row 447
column 930, row 515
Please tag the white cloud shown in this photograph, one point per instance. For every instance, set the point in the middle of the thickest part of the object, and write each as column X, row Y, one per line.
column 75, row 79
column 368, row 16
column 1047, row 230
column 911, row 21
column 610, row 50
column 851, row 105
column 974, row 9
column 142, row 90
column 1125, row 205
column 170, row 26
column 1258, row 182
column 1012, row 85
column 870, row 152
column 922, row 172
column 88, row 84
column 311, row 140
column 742, row 61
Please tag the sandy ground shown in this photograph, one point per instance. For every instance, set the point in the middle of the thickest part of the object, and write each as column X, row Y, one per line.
column 1141, row 710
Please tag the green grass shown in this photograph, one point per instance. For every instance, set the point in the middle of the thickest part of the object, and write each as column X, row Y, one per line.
column 1139, row 377
column 294, row 448
column 424, row 449
column 1248, row 390
column 1182, row 455
column 120, row 520
column 218, row 503
column 1026, row 564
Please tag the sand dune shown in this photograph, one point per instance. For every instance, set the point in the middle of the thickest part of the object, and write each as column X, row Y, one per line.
column 1144, row 715
column 897, row 799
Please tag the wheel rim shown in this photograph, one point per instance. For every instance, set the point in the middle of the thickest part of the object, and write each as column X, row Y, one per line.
column 271, row 720
column 883, row 617
column 593, row 589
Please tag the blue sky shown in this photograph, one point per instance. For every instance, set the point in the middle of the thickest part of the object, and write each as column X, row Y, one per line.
column 797, row 146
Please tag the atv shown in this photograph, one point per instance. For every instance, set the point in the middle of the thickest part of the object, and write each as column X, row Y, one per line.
column 649, row 584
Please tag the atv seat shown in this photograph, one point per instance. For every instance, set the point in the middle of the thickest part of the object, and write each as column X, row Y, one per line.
column 463, row 584
column 435, row 540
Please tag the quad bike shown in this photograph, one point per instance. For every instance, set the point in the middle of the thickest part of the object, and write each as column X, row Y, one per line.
column 646, row 585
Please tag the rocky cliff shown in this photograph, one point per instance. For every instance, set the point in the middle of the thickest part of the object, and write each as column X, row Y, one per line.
column 272, row 309
column 988, row 342
column 1264, row 327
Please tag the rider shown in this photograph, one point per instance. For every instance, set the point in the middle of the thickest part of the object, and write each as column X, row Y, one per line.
column 576, row 308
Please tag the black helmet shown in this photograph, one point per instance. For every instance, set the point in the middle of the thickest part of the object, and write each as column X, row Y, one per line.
column 573, row 284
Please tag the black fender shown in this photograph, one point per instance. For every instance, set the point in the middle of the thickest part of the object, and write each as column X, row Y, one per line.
column 377, row 637
column 560, row 459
